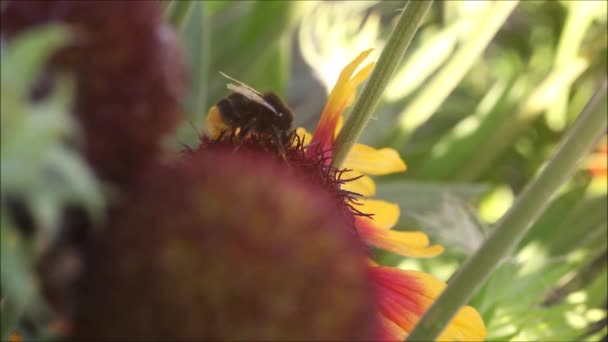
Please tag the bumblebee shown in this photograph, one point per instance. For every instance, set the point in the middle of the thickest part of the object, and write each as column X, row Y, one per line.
column 247, row 111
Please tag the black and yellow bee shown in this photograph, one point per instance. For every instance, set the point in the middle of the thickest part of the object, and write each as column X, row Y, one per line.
column 247, row 111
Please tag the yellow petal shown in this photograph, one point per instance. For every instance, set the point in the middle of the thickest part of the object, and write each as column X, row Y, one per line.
column 339, row 124
column 414, row 244
column 369, row 160
column 386, row 214
column 304, row 136
column 363, row 186
column 467, row 325
column 363, row 74
column 349, row 70
column 359, row 78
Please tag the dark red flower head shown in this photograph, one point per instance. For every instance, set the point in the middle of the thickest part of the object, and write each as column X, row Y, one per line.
column 228, row 246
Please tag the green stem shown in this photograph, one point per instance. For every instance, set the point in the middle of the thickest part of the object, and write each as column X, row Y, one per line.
column 438, row 89
column 575, row 145
column 178, row 13
column 391, row 56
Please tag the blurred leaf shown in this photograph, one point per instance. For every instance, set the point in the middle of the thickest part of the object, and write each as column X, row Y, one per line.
column 549, row 89
column 246, row 32
column 37, row 165
column 423, row 61
column 215, row 6
column 506, row 129
column 441, row 209
column 514, row 310
column 22, row 61
column 178, row 13
column 450, row 75
column 544, row 228
column 452, row 156
column 197, row 42
column 580, row 17
column 18, row 288
column 272, row 71
column 585, row 224
column 435, row 49
column 455, row 224
column 496, row 203
column 421, row 197
column 577, row 280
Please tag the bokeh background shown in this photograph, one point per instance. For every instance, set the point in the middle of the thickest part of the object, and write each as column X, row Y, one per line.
column 474, row 114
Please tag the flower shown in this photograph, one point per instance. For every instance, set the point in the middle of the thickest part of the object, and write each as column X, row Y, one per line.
column 403, row 296
column 205, row 251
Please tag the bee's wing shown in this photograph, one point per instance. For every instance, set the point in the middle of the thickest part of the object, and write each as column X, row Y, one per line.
column 242, row 84
column 247, row 91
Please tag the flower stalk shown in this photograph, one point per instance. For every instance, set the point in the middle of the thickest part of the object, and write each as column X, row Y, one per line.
column 576, row 144
column 391, row 56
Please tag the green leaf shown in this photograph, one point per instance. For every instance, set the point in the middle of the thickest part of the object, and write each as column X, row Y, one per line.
column 197, row 44
column 22, row 61
column 437, row 90
column 18, row 288
column 423, row 197
column 247, row 31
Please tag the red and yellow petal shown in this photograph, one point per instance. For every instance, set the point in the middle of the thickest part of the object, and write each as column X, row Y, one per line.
column 404, row 296
column 341, row 96
column 414, row 244
column 390, row 331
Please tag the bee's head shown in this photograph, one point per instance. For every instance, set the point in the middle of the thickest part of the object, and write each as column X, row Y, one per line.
column 284, row 116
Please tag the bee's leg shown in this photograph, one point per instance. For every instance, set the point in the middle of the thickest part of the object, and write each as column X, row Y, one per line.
column 244, row 131
column 277, row 137
column 247, row 128
column 222, row 133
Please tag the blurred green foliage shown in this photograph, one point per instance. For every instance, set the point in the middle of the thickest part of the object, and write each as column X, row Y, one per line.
column 39, row 169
